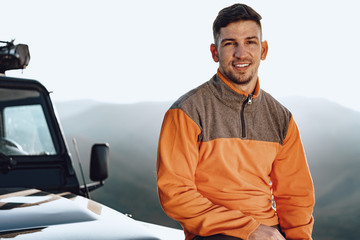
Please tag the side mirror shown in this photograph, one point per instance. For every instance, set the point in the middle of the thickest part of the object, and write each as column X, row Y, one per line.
column 99, row 162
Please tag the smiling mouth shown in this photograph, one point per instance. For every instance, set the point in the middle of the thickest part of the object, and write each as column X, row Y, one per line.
column 242, row 65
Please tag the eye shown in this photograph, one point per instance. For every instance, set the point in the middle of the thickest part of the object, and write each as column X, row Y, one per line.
column 228, row 44
column 252, row 42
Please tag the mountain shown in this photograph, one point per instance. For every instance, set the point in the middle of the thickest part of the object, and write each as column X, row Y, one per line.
column 131, row 131
column 331, row 138
column 330, row 134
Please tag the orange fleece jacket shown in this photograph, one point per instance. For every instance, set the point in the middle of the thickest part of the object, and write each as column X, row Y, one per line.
column 223, row 156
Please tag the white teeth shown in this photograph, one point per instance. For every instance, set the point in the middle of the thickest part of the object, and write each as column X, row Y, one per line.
column 242, row 65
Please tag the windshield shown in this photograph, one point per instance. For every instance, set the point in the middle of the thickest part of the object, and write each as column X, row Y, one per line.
column 24, row 129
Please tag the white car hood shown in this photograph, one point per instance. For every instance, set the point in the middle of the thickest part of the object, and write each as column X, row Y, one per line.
column 33, row 214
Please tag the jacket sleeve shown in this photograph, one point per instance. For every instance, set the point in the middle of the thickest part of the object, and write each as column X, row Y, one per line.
column 178, row 155
column 293, row 187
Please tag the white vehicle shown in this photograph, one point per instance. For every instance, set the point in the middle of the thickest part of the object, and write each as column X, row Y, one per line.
column 40, row 195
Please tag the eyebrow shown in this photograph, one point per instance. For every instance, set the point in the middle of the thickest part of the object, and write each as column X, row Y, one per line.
column 233, row 39
column 256, row 37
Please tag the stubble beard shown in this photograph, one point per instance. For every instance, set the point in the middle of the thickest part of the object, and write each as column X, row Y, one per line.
column 240, row 78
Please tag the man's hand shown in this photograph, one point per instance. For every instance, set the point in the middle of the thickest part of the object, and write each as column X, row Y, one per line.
column 265, row 233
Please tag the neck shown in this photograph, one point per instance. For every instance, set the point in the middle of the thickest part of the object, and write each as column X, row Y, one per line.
column 248, row 88
column 245, row 89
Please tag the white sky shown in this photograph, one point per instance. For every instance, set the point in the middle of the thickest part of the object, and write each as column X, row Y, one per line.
column 156, row 50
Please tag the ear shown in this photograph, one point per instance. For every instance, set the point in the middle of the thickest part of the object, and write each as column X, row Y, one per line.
column 264, row 50
column 214, row 53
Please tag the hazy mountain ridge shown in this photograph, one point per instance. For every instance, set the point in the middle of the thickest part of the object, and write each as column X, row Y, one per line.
column 330, row 134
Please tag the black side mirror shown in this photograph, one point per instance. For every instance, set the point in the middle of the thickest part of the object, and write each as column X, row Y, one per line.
column 99, row 162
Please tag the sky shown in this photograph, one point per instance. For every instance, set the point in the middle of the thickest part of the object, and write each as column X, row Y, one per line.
column 135, row 51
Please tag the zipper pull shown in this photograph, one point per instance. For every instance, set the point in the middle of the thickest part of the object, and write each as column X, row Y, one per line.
column 249, row 99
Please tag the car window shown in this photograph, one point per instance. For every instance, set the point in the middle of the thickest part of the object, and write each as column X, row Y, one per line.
column 26, row 131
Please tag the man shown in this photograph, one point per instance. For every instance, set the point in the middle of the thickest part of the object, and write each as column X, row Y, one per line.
column 228, row 151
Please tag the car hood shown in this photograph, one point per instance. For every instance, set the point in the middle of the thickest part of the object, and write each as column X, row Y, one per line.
column 34, row 214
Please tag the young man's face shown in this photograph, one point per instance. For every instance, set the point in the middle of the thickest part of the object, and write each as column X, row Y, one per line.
column 239, row 51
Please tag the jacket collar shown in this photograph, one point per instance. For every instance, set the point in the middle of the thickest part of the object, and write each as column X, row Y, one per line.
column 229, row 95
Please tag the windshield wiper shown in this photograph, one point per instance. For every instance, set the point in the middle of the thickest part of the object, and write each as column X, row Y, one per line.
column 6, row 163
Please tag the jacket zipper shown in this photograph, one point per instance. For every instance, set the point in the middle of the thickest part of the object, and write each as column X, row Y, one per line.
column 242, row 118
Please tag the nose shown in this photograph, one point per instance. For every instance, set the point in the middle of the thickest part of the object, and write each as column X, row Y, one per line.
column 240, row 51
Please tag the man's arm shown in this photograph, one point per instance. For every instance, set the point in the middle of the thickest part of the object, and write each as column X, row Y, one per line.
column 178, row 156
column 293, row 187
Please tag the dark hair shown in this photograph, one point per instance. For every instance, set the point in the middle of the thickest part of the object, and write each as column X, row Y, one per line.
column 234, row 13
